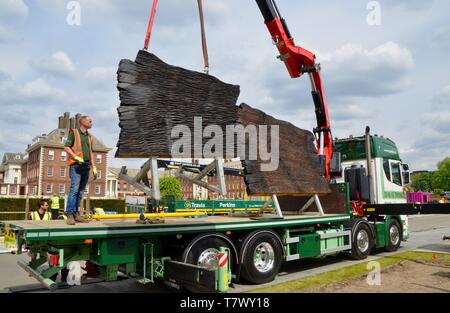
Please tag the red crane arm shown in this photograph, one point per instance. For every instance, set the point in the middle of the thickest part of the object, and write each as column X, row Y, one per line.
column 300, row 61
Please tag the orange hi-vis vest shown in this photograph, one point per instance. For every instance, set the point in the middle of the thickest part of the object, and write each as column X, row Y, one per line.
column 77, row 147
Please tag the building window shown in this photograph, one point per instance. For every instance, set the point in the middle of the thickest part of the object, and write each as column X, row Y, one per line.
column 49, row 188
column 64, row 156
column 99, row 174
column 16, row 180
column 62, row 188
column 51, row 155
column 99, row 158
column 3, row 190
column 97, row 189
column 12, row 190
column 50, row 171
column 63, row 172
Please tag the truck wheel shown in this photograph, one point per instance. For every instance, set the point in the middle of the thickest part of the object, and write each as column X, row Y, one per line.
column 394, row 236
column 362, row 242
column 204, row 253
column 262, row 256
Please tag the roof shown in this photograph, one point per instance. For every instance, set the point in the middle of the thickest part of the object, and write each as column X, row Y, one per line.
column 57, row 137
column 13, row 158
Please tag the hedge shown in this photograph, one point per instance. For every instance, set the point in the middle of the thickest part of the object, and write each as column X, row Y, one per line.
column 18, row 205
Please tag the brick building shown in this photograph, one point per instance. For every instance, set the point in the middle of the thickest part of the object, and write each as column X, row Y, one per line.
column 47, row 170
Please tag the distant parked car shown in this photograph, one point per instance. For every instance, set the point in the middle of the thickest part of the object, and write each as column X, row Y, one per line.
column 447, row 195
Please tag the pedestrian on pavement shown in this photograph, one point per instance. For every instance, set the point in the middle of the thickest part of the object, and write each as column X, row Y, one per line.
column 41, row 214
column 80, row 161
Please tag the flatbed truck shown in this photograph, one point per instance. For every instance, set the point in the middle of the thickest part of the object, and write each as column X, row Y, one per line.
column 184, row 251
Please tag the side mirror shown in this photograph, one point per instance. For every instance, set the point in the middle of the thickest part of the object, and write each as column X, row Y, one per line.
column 405, row 167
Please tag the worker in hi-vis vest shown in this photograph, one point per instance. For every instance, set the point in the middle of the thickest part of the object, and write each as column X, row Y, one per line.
column 80, row 161
column 54, row 207
column 41, row 214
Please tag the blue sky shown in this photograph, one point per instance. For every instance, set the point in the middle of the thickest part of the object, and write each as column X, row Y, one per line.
column 393, row 77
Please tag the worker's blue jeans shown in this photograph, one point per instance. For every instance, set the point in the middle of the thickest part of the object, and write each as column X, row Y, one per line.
column 79, row 176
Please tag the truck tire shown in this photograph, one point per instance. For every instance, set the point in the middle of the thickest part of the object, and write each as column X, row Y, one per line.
column 204, row 252
column 261, row 255
column 394, row 236
column 362, row 241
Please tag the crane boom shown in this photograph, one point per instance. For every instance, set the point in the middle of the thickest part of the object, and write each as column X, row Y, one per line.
column 300, row 61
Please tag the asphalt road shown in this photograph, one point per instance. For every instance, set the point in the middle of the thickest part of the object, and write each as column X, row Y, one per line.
column 426, row 233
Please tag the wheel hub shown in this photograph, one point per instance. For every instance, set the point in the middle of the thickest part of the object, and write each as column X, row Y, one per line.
column 209, row 259
column 394, row 235
column 264, row 257
column 362, row 240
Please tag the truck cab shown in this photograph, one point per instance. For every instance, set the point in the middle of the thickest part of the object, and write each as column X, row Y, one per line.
column 389, row 175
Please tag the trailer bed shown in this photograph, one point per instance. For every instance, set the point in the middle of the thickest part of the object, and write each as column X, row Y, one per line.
column 58, row 229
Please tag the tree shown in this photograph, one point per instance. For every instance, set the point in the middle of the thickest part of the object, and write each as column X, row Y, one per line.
column 441, row 178
column 170, row 186
column 422, row 182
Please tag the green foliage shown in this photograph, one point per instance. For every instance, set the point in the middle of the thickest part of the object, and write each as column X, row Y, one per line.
column 109, row 205
column 170, row 186
column 422, row 182
column 441, row 179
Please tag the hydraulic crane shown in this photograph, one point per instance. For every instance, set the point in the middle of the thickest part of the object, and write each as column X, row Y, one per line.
column 300, row 61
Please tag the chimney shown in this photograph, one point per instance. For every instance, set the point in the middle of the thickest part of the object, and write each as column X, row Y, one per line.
column 77, row 119
column 66, row 118
column 60, row 122
column 72, row 122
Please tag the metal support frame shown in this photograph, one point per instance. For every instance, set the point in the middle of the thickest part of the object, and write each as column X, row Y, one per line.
column 151, row 191
column 315, row 199
column 216, row 165
column 140, row 181
column 276, row 206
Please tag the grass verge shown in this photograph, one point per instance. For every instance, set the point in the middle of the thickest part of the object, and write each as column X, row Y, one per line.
column 353, row 271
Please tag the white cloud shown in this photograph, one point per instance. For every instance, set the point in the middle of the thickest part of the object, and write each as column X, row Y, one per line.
column 4, row 76
column 102, row 77
column 12, row 13
column 36, row 90
column 59, row 64
column 443, row 96
column 13, row 9
column 349, row 112
column 14, row 141
column 354, row 70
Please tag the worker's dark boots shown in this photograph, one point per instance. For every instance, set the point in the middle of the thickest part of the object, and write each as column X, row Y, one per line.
column 79, row 219
column 70, row 220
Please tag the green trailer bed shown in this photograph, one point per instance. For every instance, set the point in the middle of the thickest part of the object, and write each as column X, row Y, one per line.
column 58, row 230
